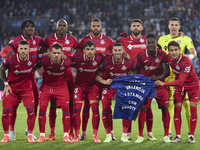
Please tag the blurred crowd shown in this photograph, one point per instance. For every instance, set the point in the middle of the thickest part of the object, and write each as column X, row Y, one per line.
column 116, row 16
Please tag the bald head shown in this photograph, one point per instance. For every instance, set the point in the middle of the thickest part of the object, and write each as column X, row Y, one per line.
column 61, row 27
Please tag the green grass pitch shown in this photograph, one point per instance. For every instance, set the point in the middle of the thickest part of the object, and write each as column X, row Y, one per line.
column 22, row 144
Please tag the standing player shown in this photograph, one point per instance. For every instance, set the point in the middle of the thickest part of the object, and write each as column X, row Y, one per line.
column 114, row 66
column 185, row 44
column 153, row 61
column 86, row 64
column 54, row 85
column 134, row 44
column 28, row 28
column 186, row 81
column 103, row 45
column 68, row 42
column 18, row 87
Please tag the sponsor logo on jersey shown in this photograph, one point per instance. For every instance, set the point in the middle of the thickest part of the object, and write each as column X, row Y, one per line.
column 117, row 74
column 62, row 68
column 66, row 48
column 23, row 71
column 67, row 42
column 142, row 40
column 87, row 70
column 29, row 63
column 33, row 49
column 143, row 46
column 151, row 67
column 102, row 42
column 34, row 42
column 75, row 96
column 177, row 67
column 123, row 67
column 94, row 63
column 54, row 74
column 178, row 41
column 100, row 49
column 157, row 60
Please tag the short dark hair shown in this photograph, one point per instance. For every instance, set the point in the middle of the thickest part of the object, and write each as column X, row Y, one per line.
column 137, row 20
column 96, row 20
column 24, row 24
column 117, row 44
column 174, row 43
column 174, row 19
column 151, row 36
column 88, row 43
column 23, row 42
column 57, row 46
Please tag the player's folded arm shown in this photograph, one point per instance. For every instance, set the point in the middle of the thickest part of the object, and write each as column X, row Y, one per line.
column 178, row 82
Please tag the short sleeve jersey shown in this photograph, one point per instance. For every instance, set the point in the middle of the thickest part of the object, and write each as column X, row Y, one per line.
column 19, row 72
column 104, row 44
column 133, row 46
column 86, row 69
column 54, row 74
column 184, row 65
column 68, row 43
column 152, row 65
column 34, row 42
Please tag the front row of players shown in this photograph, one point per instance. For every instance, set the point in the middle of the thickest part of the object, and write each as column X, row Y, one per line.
column 90, row 67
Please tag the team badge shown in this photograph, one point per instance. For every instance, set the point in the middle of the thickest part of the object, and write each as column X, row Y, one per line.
column 157, row 60
column 94, row 63
column 34, row 42
column 123, row 67
column 62, row 68
column 178, row 41
column 102, row 42
column 29, row 63
column 177, row 67
column 67, row 42
column 75, row 96
column 142, row 40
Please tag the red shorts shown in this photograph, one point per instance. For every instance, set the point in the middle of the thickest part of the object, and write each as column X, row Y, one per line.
column 162, row 97
column 179, row 94
column 16, row 96
column 60, row 93
column 90, row 93
column 107, row 94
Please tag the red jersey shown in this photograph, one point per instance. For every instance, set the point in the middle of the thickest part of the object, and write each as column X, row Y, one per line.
column 54, row 74
column 114, row 70
column 19, row 72
column 152, row 65
column 184, row 67
column 103, row 43
column 86, row 69
column 68, row 43
column 133, row 46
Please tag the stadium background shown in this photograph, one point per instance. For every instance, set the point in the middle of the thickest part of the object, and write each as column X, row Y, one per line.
column 116, row 16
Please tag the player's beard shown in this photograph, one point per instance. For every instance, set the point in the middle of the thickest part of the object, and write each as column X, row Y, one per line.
column 96, row 33
column 136, row 33
column 23, row 57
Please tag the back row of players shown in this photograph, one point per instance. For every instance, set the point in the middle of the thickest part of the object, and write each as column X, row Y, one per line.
column 145, row 58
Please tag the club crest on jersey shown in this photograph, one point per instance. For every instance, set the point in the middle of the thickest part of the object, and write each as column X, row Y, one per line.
column 157, row 60
column 123, row 67
column 178, row 41
column 102, row 42
column 75, row 96
column 62, row 68
column 29, row 63
column 67, row 42
column 94, row 63
column 142, row 40
column 34, row 42
column 177, row 67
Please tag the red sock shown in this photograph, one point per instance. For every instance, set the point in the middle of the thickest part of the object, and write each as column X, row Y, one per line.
column 12, row 116
column 149, row 119
column 193, row 119
column 77, row 117
column 111, row 119
column 106, row 116
column 42, row 118
column 30, row 119
column 165, row 119
column 85, row 114
column 52, row 119
column 66, row 118
column 5, row 121
column 130, row 127
column 36, row 95
column 95, row 117
column 141, row 121
column 71, row 119
column 177, row 120
column 125, row 124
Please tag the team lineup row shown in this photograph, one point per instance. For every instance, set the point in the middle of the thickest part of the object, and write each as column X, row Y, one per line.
column 93, row 62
